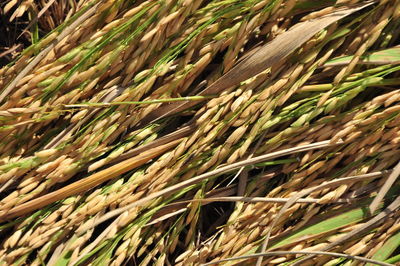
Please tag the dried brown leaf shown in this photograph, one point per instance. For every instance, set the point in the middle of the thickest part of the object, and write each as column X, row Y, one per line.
column 262, row 58
column 89, row 182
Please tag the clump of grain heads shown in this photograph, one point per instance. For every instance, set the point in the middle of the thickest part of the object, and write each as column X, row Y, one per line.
column 196, row 132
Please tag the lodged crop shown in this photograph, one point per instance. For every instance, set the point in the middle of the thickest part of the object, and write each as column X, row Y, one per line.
column 200, row 132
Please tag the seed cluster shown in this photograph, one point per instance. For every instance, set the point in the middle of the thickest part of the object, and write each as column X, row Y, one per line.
column 136, row 100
